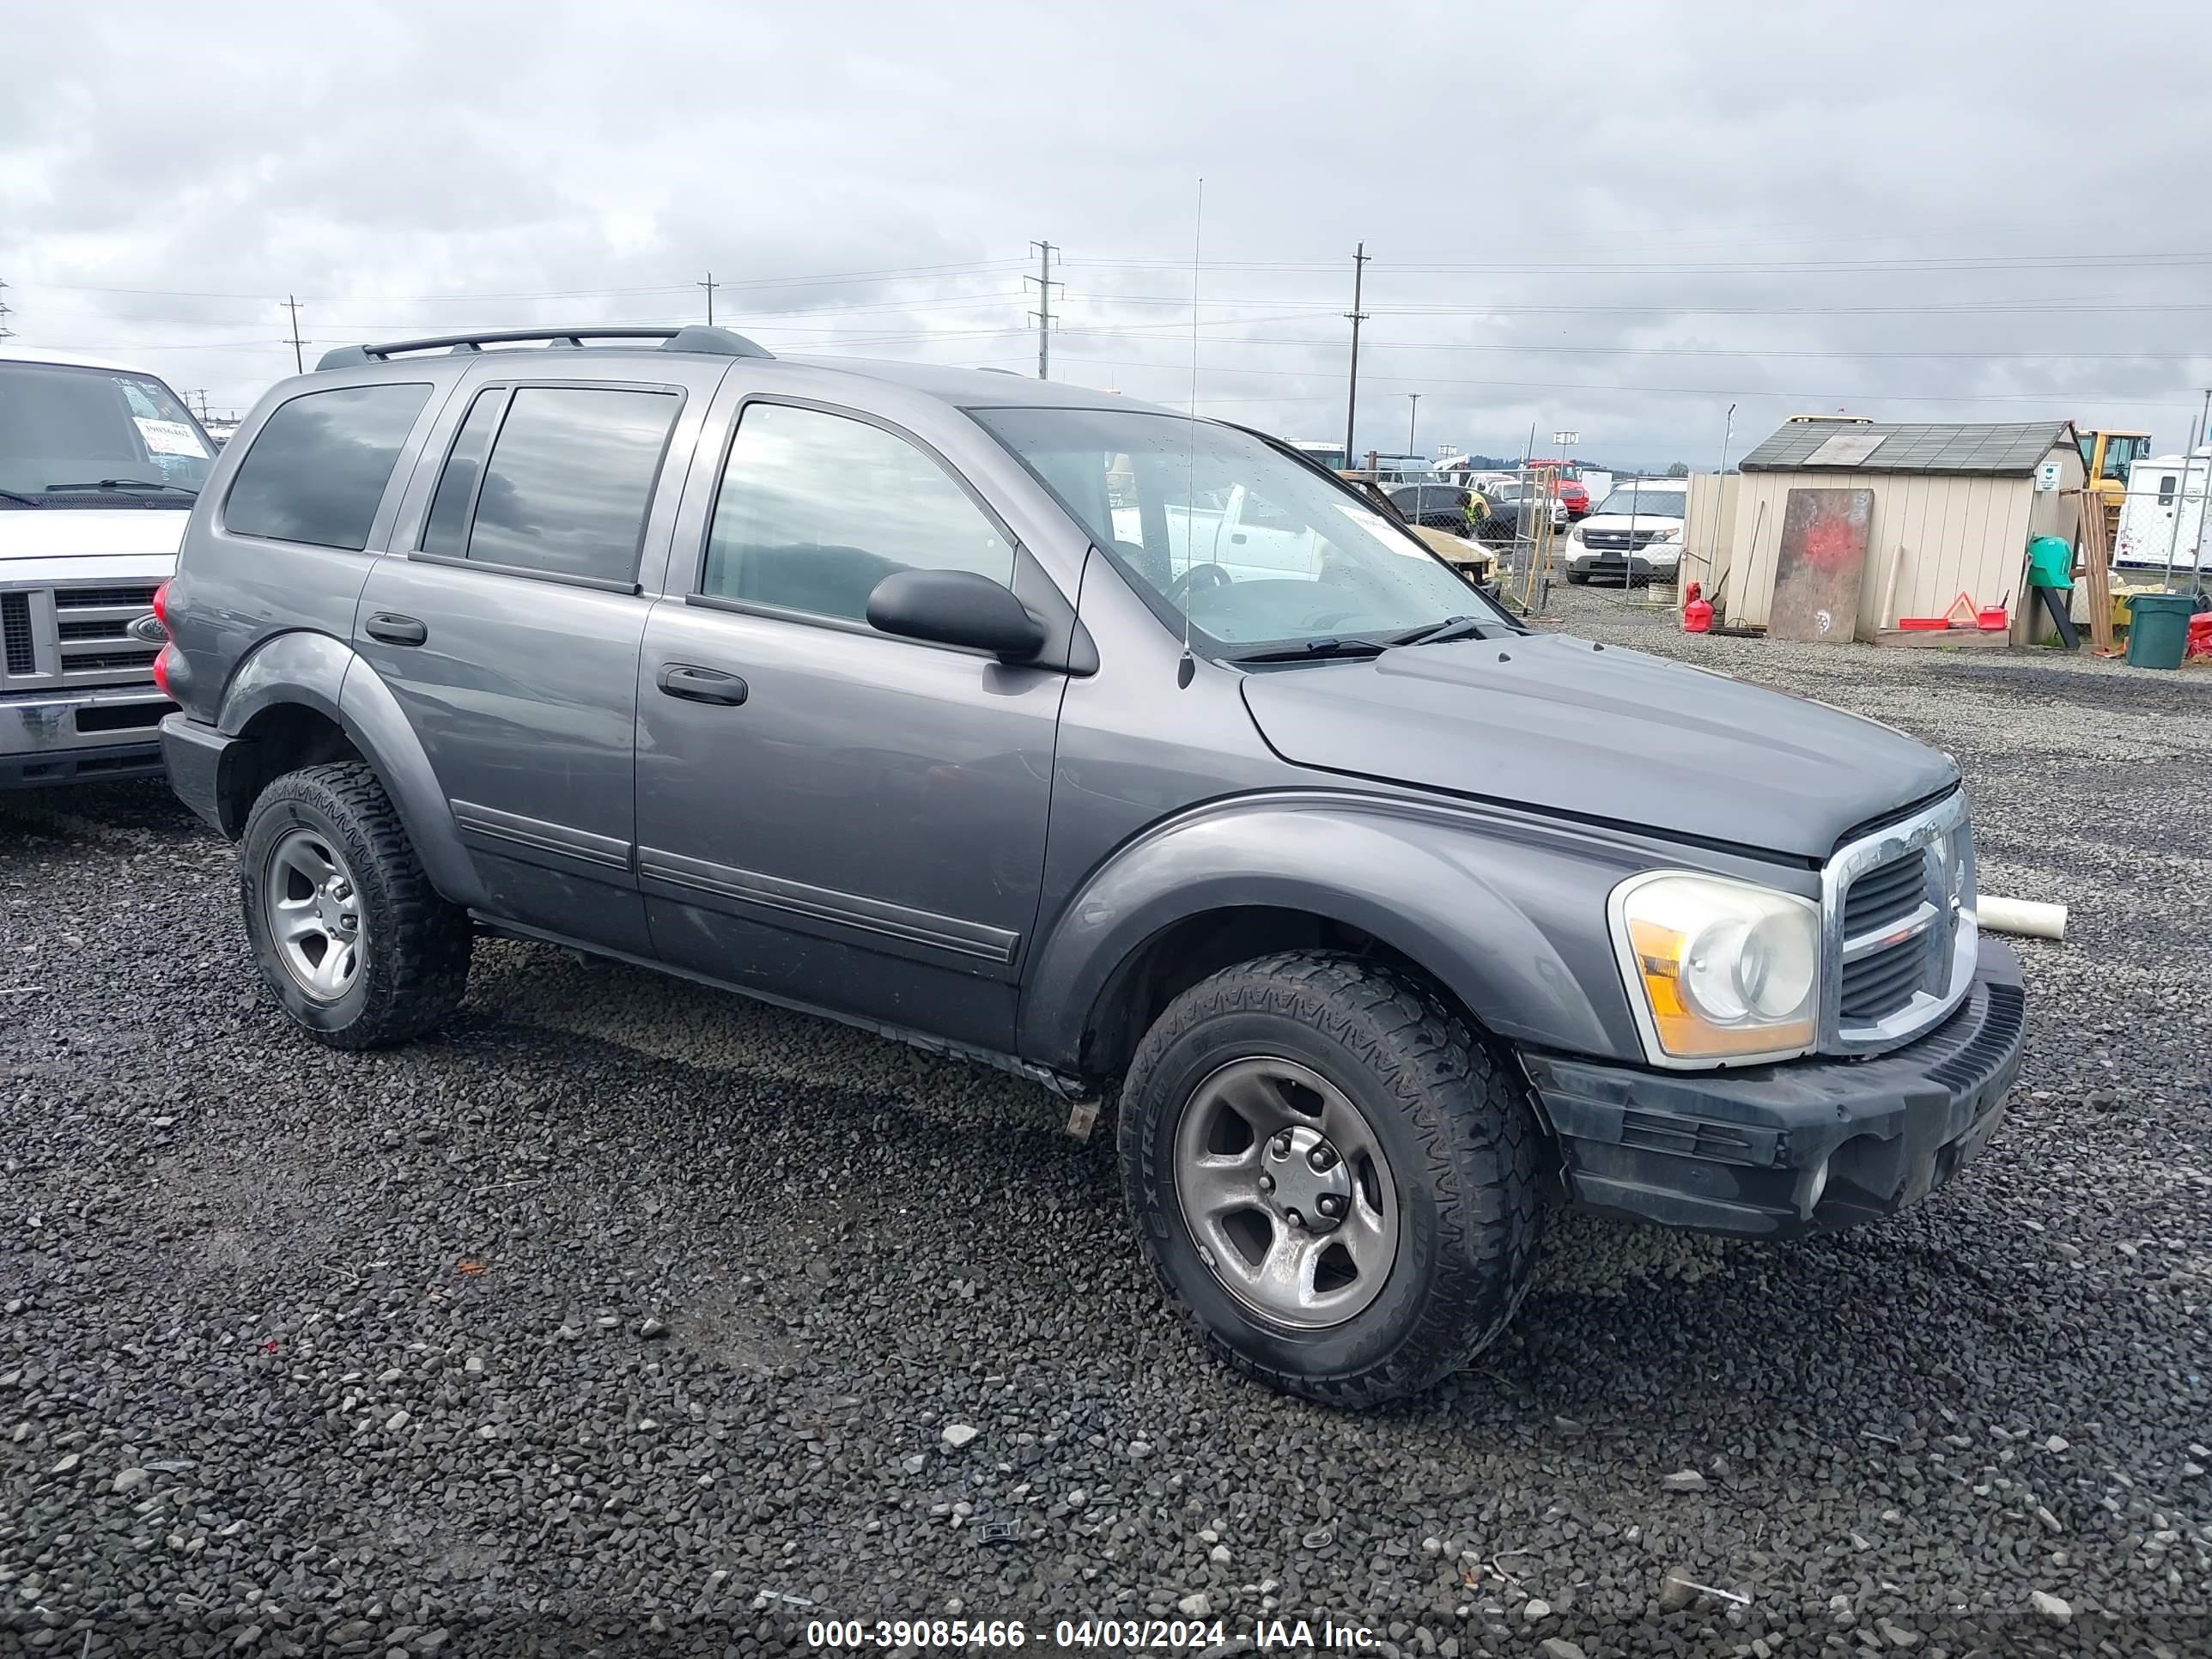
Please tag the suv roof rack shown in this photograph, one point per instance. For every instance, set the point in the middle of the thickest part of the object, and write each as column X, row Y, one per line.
column 709, row 342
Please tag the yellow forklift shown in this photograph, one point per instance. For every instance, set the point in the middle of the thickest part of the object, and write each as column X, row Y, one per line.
column 2107, row 455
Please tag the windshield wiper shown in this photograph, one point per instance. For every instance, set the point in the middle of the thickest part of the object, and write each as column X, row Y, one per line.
column 1316, row 651
column 123, row 483
column 1451, row 627
column 25, row 499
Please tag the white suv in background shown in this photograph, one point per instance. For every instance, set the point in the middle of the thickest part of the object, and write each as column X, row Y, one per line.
column 1635, row 535
column 99, row 465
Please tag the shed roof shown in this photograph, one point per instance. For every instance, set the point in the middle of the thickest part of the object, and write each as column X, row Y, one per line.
column 1890, row 446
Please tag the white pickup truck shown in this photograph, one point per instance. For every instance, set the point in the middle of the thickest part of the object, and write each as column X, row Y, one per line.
column 1251, row 539
column 99, row 465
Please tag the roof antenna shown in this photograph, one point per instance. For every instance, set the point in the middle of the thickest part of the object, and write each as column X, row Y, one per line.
column 1187, row 669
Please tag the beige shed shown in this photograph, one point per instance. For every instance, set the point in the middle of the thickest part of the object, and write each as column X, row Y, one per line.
column 1954, row 505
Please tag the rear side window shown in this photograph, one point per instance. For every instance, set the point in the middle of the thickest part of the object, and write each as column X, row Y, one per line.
column 815, row 509
column 320, row 464
column 446, row 531
column 566, row 487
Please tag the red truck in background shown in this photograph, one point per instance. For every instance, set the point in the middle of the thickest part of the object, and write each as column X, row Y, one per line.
column 1573, row 496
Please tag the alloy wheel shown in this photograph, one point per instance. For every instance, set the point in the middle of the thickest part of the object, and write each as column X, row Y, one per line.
column 311, row 908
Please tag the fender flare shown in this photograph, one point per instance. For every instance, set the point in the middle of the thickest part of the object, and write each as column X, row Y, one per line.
column 314, row 671
column 1510, row 916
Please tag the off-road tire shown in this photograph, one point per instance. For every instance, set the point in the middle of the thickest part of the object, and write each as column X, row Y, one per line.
column 1451, row 1110
column 415, row 964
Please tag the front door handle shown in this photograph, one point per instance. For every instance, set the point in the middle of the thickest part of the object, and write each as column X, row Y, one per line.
column 395, row 629
column 694, row 684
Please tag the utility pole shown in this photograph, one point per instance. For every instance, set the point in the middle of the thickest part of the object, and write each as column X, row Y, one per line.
column 2203, row 421
column 710, row 285
column 299, row 364
column 1411, row 415
column 1045, row 283
column 1357, row 317
column 6, row 332
column 200, row 393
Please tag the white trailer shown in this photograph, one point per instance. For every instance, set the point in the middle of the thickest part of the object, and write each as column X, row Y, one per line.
column 2163, row 515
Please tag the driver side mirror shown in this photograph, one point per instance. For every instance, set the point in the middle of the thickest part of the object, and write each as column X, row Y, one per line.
column 957, row 607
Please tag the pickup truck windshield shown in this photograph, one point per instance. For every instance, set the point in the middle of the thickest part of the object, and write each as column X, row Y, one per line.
column 67, row 434
column 1250, row 545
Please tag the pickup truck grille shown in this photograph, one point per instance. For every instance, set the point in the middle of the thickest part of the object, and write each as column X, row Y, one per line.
column 74, row 634
column 17, row 653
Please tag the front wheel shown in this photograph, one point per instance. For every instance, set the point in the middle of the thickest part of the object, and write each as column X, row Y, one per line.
column 1332, row 1174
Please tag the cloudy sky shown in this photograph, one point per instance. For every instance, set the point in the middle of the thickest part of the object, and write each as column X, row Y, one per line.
column 1619, row 219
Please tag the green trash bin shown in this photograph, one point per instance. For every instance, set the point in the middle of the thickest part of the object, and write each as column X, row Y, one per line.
column 2158, row 628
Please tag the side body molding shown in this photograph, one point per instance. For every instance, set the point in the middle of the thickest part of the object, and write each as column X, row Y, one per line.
column 314, row 671
column 1508, row 912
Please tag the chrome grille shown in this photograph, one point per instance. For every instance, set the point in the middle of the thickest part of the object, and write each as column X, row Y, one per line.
column 1899, row 930
column 1886, row 894
column 1880, row 984
column 21, row 656
column 1621, row 539
column 72, row 634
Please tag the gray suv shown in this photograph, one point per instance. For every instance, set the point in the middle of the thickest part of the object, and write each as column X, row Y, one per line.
column 1131, row 753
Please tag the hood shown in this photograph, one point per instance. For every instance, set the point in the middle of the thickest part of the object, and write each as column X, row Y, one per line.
column 1553, row 723
column 56, row 532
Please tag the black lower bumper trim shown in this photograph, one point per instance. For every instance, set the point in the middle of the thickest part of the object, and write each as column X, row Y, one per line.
column 112, row 762
column 1805, row 1147
column 201, row 769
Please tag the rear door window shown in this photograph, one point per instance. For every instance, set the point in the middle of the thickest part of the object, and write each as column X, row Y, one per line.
column 320, row 464
column 446, row 531
column 566, row 486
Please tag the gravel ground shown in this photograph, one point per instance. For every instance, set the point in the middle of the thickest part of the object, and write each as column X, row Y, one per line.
column 628, row 1317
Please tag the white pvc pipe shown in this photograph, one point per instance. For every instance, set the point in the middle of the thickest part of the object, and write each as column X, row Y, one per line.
column 2036, row 920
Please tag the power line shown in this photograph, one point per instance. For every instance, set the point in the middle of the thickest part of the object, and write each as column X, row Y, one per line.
column 1045, row 283
column 1813, row 398
column 1767, row 267
column 886, row 273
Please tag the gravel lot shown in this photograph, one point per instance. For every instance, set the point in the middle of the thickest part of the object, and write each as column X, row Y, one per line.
column 629, row 1317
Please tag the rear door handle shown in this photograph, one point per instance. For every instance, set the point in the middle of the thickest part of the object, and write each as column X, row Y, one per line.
column 694, row 684
column 394, row 629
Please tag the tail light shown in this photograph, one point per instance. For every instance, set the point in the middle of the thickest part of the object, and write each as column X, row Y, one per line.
column 161, row 604
column 161, row 671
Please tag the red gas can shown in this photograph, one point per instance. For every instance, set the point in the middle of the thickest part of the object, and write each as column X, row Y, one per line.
column 1696, row 615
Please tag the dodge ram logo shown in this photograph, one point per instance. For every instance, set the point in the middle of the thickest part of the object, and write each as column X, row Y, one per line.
column 148, row 629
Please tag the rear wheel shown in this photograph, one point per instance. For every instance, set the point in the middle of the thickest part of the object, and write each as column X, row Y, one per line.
column 1332, row 1174
column 352, row 940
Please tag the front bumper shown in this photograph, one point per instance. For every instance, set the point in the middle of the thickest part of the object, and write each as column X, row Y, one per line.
column 1619, row 561
column 1810, row 1145
column 97, row 734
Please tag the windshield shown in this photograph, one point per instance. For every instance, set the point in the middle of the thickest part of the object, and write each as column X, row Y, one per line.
column 1248, row 545
column 1639, row 501
column 78, row 435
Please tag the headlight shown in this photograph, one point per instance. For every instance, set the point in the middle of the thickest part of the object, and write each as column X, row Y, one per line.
column 1666, row 536
column 1576, row 535
column 1718, row 969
